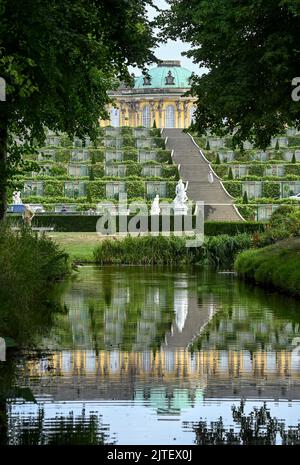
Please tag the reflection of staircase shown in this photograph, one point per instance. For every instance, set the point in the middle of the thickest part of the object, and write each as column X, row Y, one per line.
column 196, row 320
column 194, row 168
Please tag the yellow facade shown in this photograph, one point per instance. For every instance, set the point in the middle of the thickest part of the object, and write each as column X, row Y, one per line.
column 166, row 104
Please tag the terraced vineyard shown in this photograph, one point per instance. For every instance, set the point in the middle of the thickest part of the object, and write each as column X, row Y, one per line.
column 75, row 175
column 258, row 180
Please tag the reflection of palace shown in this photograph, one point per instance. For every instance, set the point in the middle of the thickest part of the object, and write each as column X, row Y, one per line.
column 119, row 375
column 129, row 342
column 157, row 97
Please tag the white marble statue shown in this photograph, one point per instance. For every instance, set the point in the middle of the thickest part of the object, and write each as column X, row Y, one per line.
column 181, row 198
column 17, row 197
column 155, row 208
column 210, row 177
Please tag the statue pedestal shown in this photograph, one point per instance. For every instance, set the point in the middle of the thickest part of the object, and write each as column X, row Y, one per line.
column 18, row 208
column 180, row 210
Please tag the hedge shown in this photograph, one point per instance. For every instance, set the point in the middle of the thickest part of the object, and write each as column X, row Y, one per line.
column 85, row 223
column 135, row 188
column 271, row 189
column 234, row 188
column 53, row 188
column 232, row 228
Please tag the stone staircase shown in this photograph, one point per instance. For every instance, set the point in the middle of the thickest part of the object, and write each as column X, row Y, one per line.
column 194, row 168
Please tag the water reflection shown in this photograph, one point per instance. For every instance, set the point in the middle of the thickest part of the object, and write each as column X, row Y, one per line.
column 158, row 356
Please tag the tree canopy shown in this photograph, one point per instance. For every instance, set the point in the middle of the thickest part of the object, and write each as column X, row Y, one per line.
column 251, row 50
column 59, row 59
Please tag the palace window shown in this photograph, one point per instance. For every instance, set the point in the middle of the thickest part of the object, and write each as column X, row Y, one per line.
column 114, row 156
column 146, row 119
column 78, row 170
column 170, row 117
column 75, row 189
column 113, row 189
column 253, row 189
column 115, row 117
column 33, row 188
column 115, row 170
column 154, row 188
column 145, row 156
column 79, row 155
column 152, row 171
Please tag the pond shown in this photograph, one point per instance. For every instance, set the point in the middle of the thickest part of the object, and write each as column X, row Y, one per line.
column 158, row 356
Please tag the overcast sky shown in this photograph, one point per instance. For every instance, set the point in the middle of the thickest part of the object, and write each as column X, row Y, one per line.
column 172, row 49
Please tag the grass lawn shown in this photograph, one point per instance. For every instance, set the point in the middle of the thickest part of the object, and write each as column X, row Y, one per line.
column 79, row 245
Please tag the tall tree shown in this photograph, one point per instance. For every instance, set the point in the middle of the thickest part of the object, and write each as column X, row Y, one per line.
column 59, row 59
column 251, row 50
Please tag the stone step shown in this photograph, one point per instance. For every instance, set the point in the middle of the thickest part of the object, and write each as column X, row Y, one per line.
column 195, row 168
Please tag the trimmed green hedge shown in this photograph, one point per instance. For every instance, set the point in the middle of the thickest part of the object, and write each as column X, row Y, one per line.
column 234, row 188
column 212, row 228
column 271, row 189
column 85, row 223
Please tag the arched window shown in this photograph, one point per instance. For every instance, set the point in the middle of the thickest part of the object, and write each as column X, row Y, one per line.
column 115, row 117
column 170, row 117
column 192, row 114
column 146, row 116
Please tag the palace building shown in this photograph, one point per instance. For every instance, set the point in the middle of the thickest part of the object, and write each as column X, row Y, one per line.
column 160, row 96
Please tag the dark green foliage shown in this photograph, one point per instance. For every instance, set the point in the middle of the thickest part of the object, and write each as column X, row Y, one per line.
column 277, row 145
column 91, row 174
column 159, row 142
column 30, row 265
column 154, row 125
column 215, row 228
column 271, row 189
column 218, row 161
column 164, row 156
column 233, row 187
column 245, row 198
column 89, row 198
column 98, row 171
column 207, row 147
column 293, row 158
column 256, row 170
column 70, row 55
column 142, row 251
column 97, row 190
column 53, row 188
column 274, row 266
column 135, row 188
column 230, row 174
column 218, row 252
column 251, row 51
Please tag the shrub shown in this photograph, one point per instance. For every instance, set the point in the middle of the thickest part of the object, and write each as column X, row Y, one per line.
column 207, row 147
column 218, row 161
column 271, row 189
column 53, row 188
column 245, row 198
column 91, row 174
column 230, row 174
column 274, row 266
column 293, row 158
column 135, row 188
column 233, row 187
column 142, row 251
column 164, row 156
column 29, row 267
column 97, row 190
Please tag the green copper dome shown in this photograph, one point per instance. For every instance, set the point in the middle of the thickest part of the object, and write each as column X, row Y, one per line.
column 167, row 75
